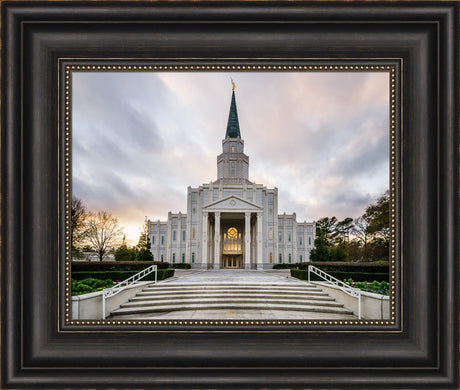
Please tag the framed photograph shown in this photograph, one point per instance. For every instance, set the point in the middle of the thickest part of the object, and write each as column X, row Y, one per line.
column 123, row 105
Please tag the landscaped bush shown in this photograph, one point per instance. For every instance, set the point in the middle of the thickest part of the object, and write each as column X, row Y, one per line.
column 89, row 285
column 94, row 266
column 121, row 275
column 347, row 266
column 356, row 276
column 180, row 265
column 382, row 287
column 285, row 266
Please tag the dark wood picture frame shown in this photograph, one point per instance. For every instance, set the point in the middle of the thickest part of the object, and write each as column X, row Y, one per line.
column 40, row 351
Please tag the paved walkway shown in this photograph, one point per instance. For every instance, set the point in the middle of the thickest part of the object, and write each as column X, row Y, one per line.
column 236, row 277
column 224, row 276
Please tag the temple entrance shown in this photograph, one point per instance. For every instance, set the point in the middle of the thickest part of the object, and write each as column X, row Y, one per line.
column 232, row 249
column 232, row 261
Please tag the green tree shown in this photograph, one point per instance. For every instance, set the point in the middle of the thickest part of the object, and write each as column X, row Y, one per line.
column 378, row 216
column 123, row 253
column 144, row 239
column 321, row 250
column 143, row 245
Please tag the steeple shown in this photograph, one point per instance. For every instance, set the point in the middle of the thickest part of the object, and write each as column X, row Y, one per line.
column 233, row 126
column 233, row 164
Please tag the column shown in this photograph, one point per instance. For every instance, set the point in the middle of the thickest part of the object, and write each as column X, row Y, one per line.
column 294, row 238
column 158, row 242
column 259, row 241
column 216, row 240
column 247, row 240
column 204, row 240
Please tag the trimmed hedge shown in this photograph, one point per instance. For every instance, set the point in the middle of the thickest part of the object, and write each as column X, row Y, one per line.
column 96, row 266
column 330, row 266
column 285, row 266
column 180, row 265
column 356, row 276
column 121, row 275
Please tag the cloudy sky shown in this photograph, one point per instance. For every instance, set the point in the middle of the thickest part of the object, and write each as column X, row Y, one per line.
column 140, row 138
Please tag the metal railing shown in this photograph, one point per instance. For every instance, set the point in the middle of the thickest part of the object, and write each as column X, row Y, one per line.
column 119, row 287
column 345, row 287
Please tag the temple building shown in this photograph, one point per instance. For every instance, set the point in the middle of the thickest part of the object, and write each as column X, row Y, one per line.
column 232, row 222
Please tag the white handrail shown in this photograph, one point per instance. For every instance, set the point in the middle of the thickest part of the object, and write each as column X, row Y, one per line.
column 345, row 287
column 111, row 291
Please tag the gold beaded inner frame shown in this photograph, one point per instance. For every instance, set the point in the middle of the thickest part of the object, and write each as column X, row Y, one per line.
column 390, row 66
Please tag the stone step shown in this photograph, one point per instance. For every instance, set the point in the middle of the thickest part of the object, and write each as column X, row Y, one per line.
column 230, row 294
column 229, row 306
column 248, row 300
column 187, row 288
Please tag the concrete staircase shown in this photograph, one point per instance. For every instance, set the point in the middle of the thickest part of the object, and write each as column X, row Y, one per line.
column 162, row 298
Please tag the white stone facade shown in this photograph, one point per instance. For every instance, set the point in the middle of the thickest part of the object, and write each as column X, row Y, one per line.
column 232, row 222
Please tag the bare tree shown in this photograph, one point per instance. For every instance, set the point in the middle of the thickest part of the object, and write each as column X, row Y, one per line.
column 77, row 221
column 102, row 232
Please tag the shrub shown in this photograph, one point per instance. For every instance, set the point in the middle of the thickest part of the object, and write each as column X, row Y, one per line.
column 357, row 276
column 92, row 266
column 299, row 274
column 121, row 275
column 381, row 287
column 88, row 285
column 347, row 266
column 181, row 265
column 285, row 266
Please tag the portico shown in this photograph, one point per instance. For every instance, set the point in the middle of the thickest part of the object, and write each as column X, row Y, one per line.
column 232, row 230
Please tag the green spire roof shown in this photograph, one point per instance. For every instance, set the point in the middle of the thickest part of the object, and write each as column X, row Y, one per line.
column 233, row 126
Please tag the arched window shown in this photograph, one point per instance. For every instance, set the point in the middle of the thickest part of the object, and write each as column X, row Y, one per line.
column 193, row 257
column 183, row 257
column 174, row 257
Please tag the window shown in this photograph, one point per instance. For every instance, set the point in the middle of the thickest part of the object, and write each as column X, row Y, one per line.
column 183, row 235
column 280, row 238
column 153, row 240
column 271, row 257
column 193, row 257
column 193, row 233
column 174, row 257
column 162, row 240
column 309, row 240
column 194, row 210
column 270, row 234
column 289, row 236
column 153, row 257
column 174, row 235
column 233, row 149
column 300, row 258
column 289, row 257
column 300, row 240
column 183, row 257
column 281, row 258
column 161, row 258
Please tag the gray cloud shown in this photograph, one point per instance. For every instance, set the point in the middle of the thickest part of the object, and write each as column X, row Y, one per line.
column 139, row 139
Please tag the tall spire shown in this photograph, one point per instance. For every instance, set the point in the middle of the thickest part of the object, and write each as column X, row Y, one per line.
column 233, row 126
